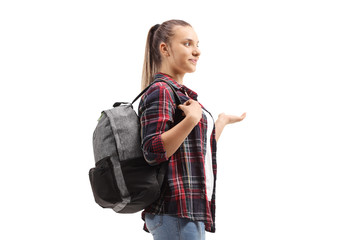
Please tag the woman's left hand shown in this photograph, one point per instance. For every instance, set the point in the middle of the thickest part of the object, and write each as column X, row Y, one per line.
column 229, row 119
column 224, row 119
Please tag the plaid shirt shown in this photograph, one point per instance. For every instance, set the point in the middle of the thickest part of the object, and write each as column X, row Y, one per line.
column 184, row 191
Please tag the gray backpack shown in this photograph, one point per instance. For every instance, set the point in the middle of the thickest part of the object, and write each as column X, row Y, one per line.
column 122, row 179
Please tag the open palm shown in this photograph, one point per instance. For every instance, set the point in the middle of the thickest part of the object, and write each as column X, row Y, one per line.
column 228, row 119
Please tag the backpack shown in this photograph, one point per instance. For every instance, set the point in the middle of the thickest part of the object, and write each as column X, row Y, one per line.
column 122, row 179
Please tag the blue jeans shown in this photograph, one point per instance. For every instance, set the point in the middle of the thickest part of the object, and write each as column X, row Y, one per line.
column 166, row 227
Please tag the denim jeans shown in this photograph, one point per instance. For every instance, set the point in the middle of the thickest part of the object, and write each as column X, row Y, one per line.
column 166, row 227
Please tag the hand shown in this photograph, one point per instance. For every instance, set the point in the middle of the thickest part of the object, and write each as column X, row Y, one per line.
column 229, row 119
column 192, row 109
column 223, row 120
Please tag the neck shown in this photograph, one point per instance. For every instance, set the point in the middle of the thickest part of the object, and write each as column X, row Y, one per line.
column 178, row 77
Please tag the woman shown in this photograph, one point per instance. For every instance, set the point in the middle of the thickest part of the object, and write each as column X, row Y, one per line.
column 186, row 207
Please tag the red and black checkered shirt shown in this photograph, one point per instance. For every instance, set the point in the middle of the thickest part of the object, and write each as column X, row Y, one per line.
column 184, row 192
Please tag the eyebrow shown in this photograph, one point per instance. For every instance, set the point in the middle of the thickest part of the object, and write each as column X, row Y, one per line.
column 189, row 39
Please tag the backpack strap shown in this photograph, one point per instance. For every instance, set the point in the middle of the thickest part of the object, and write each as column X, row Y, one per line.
column 177, row 98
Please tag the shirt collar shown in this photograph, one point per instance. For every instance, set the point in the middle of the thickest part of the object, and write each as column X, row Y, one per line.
column 169, row 79
column 176, row 85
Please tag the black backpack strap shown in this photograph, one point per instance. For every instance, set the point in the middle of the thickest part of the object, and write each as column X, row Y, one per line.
column 177, row 98
column 140, row 94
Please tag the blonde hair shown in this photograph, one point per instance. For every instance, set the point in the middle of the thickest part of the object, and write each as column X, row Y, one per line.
column 152, row 61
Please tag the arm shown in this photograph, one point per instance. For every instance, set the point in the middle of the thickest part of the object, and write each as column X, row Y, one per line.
column 174, row 137
column 156, row 109
column 223, row 120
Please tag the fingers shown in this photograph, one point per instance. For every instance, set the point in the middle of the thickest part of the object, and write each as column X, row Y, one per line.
column 243, row 115
column 237, row 118
column 188, row 102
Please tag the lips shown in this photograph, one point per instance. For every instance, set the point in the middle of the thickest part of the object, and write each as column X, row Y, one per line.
column 193, row 61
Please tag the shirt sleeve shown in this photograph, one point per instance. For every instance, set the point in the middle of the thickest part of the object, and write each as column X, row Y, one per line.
column 156, row 111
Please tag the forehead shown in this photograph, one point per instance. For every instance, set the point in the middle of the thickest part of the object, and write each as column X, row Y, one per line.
column 184, row 32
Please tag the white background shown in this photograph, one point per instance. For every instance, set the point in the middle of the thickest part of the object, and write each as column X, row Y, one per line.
column 290, row 170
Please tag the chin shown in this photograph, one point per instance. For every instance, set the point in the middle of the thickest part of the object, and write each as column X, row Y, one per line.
column 191, row 70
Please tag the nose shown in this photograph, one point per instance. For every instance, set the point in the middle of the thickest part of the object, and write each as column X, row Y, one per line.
column 196, row 52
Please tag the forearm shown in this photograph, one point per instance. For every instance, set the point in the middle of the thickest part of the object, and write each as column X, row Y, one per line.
column 219, row 127
column 174, row 137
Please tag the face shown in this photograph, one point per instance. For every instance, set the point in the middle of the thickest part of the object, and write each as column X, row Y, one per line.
column 182, row 53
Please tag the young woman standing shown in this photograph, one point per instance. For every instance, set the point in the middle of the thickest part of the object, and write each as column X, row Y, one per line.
column 186, row 207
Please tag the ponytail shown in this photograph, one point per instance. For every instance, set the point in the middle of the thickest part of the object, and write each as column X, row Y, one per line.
column 149, row 68
column 152, row 60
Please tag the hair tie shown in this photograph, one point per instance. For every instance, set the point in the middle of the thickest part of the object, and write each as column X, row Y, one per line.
column 152, row 32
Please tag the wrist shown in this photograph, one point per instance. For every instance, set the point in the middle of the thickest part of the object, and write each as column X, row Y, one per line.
column 192, row 120
column 222, row 118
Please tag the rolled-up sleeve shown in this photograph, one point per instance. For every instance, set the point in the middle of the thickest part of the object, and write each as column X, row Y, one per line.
column 156, row 111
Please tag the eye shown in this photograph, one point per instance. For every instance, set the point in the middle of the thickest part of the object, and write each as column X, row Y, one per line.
column 187, row 44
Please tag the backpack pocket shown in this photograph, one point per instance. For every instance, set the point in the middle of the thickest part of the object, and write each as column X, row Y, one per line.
column 103, row 183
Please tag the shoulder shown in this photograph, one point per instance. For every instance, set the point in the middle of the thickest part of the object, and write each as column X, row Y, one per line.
column 158, row 92
column 159, row 86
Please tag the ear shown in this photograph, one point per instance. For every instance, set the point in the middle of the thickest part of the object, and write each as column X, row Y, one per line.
column 164, row 49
